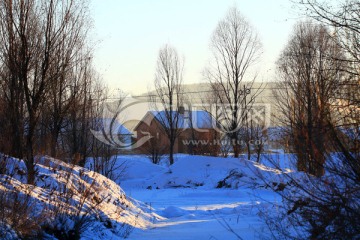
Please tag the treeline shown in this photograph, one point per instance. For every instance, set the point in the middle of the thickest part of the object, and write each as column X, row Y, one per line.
column 318, row 99
column 50, row 94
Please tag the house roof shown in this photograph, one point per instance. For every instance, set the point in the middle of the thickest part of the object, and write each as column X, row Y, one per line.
column 111, row 132
column 112, row 126
column 189, row 119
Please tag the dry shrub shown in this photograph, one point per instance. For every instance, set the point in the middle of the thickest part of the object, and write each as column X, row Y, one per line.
column 18, row 212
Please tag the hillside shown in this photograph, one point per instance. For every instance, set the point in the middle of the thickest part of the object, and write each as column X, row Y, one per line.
column 66, row 197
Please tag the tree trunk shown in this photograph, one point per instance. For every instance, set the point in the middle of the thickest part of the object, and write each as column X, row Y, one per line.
column 171, row 153
column 236, row 147
column 30, row 163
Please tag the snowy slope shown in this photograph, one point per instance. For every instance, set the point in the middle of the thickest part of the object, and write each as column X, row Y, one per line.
column 73, row 189
column 198, row 197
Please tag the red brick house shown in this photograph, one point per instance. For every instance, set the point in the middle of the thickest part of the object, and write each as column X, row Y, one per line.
column 196, row 133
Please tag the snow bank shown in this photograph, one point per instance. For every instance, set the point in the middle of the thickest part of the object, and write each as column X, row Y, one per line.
column 76, row 190
column 206, row 172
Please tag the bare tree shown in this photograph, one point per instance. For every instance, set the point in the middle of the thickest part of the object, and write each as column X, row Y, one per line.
column 310, row 74
column 82, row 115
column 70, row 54
column 258, row 136
column 236, row 48
column 328, row 206
column 323, row 121
column 154, row 148
column 33, row 34
column 168, row 84
column 343, row 16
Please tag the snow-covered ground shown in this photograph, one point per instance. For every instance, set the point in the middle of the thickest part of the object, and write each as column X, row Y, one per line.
column 63, row 193
column 198, row 197
column 202, row 214
column 186, row 196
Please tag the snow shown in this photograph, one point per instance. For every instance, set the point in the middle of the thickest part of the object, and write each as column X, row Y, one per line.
column 105, row 201
column 186, row 196
column 198, row 197
column 197, row 213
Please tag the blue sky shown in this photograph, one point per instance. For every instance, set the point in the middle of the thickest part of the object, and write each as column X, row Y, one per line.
column 131, row 32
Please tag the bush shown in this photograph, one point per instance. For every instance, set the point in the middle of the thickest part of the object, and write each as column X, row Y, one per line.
column 326, row 207
column 73, row 206
column 18, row 217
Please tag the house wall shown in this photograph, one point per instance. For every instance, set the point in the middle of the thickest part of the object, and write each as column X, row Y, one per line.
column 159, row 141
column 189, row 141
column 200, row 143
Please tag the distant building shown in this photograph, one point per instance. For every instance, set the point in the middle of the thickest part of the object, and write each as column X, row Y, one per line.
column 262, row 93
column 196, row 136
column 111, row 132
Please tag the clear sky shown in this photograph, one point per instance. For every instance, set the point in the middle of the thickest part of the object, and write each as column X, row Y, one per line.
column 131, row 32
